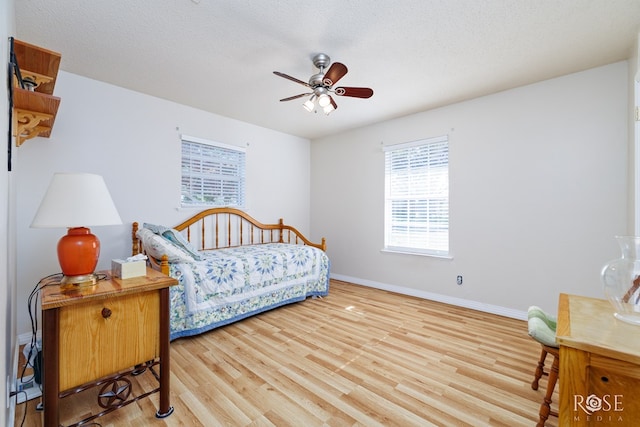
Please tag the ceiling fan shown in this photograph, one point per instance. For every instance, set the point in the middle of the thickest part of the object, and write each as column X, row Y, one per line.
column 321, row 85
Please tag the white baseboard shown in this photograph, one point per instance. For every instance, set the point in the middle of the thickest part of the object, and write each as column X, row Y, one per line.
column 460, row 302
column 26, row 338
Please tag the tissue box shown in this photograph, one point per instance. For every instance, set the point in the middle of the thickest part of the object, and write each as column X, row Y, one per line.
column 123, row 269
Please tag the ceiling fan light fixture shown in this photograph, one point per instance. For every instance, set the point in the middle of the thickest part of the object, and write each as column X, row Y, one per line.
column 328, row 109
column 321, row 86
column 324, row 100
column 309, row 105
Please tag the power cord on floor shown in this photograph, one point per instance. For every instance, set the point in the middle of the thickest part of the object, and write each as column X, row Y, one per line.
column 31, row 356
column 32, row 308
column 24, row 414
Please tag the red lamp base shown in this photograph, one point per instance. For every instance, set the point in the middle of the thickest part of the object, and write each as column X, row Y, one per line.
column 78, row 253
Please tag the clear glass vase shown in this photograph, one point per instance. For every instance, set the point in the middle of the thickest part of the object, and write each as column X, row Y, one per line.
column 621, row 280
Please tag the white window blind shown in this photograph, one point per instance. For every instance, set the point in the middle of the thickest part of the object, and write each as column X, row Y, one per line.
column 417, row 197
column 213, row 174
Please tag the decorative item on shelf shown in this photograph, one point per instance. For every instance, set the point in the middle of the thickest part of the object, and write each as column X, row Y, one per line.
column 76, row 201
column 621, row 280
column 30, row 83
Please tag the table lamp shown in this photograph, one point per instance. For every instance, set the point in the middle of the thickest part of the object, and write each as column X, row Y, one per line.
column 77, row 201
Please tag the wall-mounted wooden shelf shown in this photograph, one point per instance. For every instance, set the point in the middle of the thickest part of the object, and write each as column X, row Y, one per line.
column 34, row 111
column 33, row 114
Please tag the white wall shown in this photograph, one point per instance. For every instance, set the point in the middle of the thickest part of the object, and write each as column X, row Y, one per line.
column 538, row 189
column 131, row 140
column 7, row 234
column 634, row 132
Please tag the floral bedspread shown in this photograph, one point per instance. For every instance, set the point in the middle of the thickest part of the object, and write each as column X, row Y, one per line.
column 234, row 283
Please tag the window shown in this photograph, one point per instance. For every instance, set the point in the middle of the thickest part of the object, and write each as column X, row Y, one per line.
column 417, row 197
column 213, row 174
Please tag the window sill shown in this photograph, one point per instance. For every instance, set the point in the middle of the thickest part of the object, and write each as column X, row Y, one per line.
column 422, row 254
column 204, row 207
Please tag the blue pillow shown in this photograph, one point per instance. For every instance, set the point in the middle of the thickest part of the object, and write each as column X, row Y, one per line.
column 156, row 246
column 175, row 237
column 156, row 229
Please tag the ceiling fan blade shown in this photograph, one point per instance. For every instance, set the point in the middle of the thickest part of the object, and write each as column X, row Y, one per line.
column 356, row 92
column 296, row 96
column 293, row 79
column 335, row 72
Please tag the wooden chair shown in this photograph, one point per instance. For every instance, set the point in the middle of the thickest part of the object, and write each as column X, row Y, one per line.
column 542, row 328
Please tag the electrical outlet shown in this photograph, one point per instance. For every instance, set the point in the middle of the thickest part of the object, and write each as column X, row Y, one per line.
column 8, row 391
column 459, row 280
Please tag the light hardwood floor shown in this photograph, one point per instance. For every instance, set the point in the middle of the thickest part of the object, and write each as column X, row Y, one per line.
column 359, row 356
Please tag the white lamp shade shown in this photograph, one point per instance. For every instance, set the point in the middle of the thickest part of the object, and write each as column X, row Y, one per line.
column 76, row 200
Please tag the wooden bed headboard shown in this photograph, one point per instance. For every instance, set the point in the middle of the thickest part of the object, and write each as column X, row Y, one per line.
column 218, row 228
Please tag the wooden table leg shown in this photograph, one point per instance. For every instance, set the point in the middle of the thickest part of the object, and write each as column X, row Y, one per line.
column 165, row 371
column 50, row 367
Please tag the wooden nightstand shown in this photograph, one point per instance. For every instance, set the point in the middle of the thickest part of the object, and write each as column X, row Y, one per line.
column 98, row 336
column 599, row 364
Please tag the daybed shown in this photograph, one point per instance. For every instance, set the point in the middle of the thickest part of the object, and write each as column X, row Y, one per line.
column 230, row 266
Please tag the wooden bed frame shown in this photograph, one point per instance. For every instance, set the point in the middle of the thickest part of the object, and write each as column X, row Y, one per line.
column 218, row 228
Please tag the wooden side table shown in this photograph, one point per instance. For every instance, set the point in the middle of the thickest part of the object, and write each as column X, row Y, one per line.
column 599, row 364
column 97, row 336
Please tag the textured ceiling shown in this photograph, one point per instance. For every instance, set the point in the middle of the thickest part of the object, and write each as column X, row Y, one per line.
column 219, row 56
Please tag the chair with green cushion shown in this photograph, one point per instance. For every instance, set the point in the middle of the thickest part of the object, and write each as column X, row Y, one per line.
column 542, row 328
